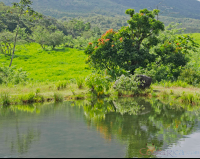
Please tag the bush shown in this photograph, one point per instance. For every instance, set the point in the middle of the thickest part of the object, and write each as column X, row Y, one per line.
column 61, row 85
column 5, row 99
column 58, row 97
column 28, row 98
column 31, row 98
column 11, row 75
column 190, row 76
column 98, row 83
column 80, row 82
column 127, row 84
column 188, row 98
column 160, row 72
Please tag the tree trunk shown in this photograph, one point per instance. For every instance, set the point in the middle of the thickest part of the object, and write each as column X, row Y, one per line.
column 132, row 64
column 15, row 40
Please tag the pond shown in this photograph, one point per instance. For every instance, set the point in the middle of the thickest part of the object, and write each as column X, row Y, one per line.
column 127, row 127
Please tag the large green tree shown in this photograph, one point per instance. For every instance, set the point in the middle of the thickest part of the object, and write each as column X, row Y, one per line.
column 143, row 42
column 125, row 49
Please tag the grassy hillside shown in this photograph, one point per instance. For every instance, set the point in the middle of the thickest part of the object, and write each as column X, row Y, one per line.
column 49, row 65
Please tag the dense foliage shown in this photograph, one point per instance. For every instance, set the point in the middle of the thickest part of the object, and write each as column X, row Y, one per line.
column 143, row 46
column 171, row 53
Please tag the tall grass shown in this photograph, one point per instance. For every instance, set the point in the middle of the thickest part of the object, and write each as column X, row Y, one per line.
column 58, row 97
column 178, row 83
column 61, row 85
column 5, row 99
column 31, row 98
column 80, row 82
column 164, row 95
column 189, row 98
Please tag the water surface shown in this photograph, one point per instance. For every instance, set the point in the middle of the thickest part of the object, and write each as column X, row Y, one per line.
column 100, row 128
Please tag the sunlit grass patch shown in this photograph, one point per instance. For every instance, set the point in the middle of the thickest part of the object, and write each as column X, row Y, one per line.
column 49, row 65
column 169, row 84
column 196, row 37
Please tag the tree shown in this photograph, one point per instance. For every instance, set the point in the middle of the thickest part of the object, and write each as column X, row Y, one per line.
column 24, row 9
column 141, row 43
column 76, row 27
column 40, row 35
column 54, row 39
column 6, row 42
column 125, row 49
column 171, row 54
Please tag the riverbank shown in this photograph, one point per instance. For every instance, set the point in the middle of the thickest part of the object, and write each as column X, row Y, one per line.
column 50, row 92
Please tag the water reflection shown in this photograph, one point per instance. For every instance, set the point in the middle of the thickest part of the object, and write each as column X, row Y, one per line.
column 137, row 122
column 23, row 141
column 18, row 138
column 145, row 126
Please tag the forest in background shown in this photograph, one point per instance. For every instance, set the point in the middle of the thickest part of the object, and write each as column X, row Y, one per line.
column 108, row 14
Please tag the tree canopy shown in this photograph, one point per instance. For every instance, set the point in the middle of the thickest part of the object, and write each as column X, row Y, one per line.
column 126, row 48
column 138, row 45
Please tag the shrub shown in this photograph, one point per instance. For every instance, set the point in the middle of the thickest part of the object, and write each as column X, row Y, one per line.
column 5, row 99
column 31, row 98
column 80, row 82
column 171, row 92
column 98, row 83
column 28, row 98
column 190, row 76
column 11, row 75
column 58, row 97
column 160, row 72
column 61, row 85
column 37, row 91
column 189, row 98
column 164, row 95
column 127, row 84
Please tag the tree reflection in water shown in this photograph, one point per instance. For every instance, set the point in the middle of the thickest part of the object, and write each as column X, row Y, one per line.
column 24, row 138
column 137, row 122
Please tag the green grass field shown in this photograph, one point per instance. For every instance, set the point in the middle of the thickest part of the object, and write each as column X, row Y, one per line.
column 196, row 37
column 49, row 65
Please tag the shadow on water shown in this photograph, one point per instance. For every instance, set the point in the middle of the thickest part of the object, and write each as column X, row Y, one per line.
column 144, row 126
